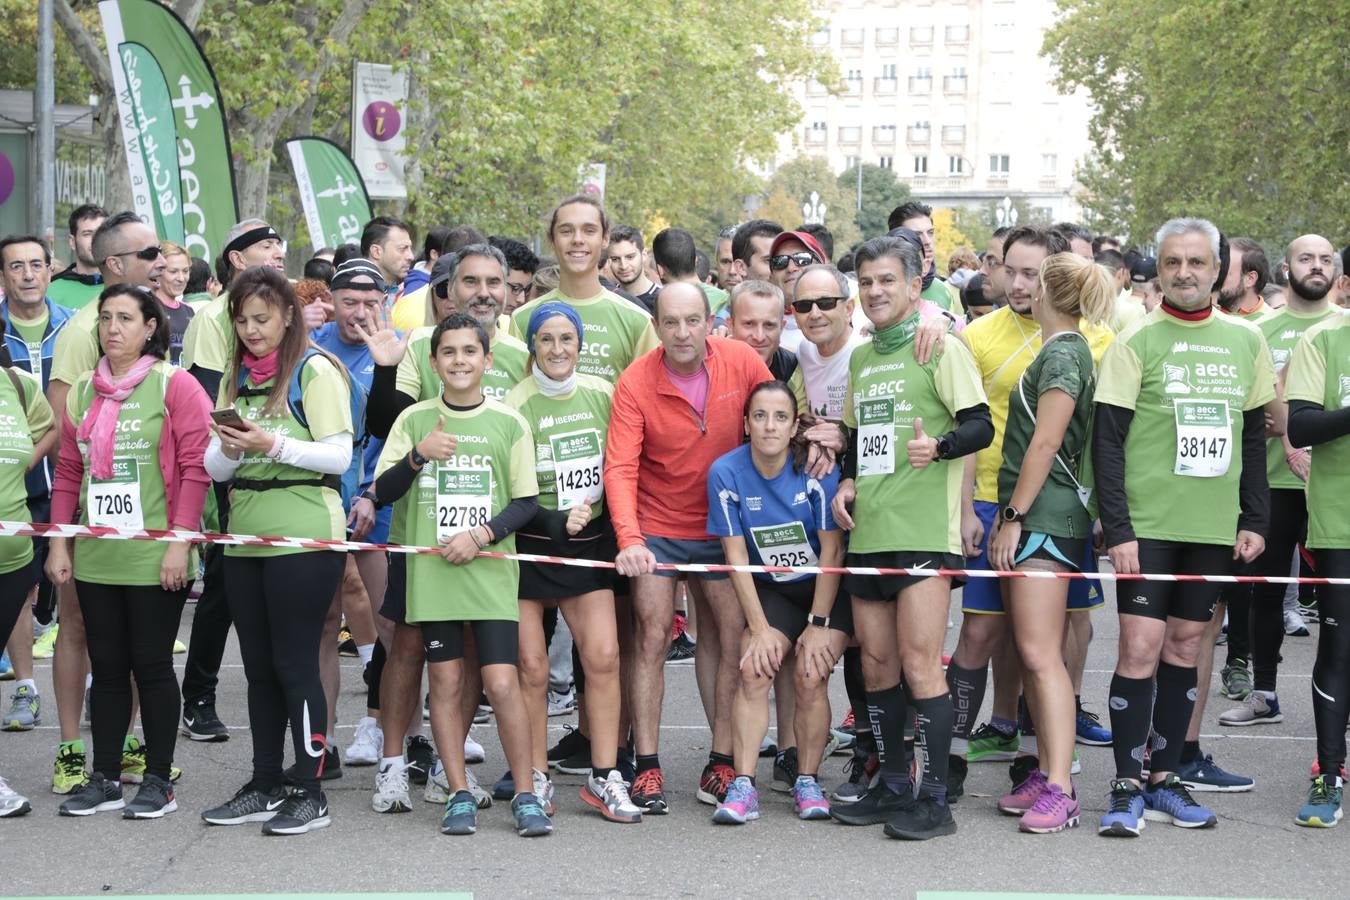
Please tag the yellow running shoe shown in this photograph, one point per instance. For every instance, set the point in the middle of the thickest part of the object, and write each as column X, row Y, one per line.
column 68, row 775
column 45, row 646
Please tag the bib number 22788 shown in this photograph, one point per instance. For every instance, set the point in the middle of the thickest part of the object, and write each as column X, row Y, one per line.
column 463, row 500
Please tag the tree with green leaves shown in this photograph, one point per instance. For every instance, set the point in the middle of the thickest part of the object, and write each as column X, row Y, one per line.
column 881, row 193
column 1230, row 109
column 790, row 188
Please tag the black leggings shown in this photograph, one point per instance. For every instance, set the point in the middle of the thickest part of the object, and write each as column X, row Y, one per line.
column 279, row 604
column 131, row 630
column 14, row 588
column 1288, row 525
column 1331, row 671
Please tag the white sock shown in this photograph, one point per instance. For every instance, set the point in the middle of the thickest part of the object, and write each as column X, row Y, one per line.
column 28, row 683
column 364, row 651
column 392, row 763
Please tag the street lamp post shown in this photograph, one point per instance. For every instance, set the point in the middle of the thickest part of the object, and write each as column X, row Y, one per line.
column 813, row 211
column 1005, row 214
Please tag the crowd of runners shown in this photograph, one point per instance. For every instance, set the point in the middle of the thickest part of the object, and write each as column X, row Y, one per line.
column 774, row 402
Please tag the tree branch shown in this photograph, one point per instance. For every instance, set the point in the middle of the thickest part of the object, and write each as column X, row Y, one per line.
column 190, row 11
column 86, row 48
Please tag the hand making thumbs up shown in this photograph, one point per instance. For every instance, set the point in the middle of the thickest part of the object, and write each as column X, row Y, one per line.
column 438, row 445
column 922, row 449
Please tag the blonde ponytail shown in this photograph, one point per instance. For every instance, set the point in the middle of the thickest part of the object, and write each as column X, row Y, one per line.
column 1078, row 287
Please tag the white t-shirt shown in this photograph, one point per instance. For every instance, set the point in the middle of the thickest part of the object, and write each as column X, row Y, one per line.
column 826, row 378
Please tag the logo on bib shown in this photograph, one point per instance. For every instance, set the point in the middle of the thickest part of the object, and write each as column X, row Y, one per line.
column 1174, row 377
column 1345, row 391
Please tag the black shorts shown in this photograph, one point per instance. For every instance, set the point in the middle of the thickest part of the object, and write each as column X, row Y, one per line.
column 498, row 642
column 1066, row 552
column 786, row 605
column 886, row 587
column 546, row 581
column 395, row 606
column 1193, row 600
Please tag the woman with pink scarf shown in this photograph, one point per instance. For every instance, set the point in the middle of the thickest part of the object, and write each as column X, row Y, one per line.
column 133, row 436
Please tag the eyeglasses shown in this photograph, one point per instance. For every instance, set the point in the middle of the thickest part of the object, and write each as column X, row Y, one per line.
column 825, row 303
column 802, row 258
column 146, row 253
column 517, row 289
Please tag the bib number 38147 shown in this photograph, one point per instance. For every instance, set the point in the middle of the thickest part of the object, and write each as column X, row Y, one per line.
column 116, row 502
column 463, row 500
column 876, row 437
column 1204, row 438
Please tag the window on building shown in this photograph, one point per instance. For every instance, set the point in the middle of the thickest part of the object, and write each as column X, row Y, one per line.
column 921, row 165
column 1049, row 163
column 998, row 164
column 821, row 38
column 850, row 162
column 956, row 165
column 886, row 162
column 854, row 75
column 888, row 70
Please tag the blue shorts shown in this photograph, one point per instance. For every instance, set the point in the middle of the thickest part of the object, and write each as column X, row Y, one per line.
column 673, row 550
column 983, row 596
column 379, row 532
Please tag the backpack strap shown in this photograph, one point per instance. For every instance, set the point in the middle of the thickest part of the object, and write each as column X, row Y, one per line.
column 18, row 386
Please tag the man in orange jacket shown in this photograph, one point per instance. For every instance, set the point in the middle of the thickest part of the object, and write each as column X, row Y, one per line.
column 676, row 409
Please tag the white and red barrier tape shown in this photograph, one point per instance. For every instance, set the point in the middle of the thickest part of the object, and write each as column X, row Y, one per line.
column 42, row 529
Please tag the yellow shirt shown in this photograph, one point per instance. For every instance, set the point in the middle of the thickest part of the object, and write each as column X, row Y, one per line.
column 1004, row 344
column 410, row 310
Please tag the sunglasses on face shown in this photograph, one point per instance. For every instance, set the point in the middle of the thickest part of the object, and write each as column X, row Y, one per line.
column 825, row 303
column 801, row 258
column 146, row 253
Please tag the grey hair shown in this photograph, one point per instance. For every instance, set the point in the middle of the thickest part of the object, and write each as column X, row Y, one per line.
column 754, row 288
column 487, row 250
column 244, row 227
column 727, row 233
column 1188, row 225
column 838, row 276
column 909, row 256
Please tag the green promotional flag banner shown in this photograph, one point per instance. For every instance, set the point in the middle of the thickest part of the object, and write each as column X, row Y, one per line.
column 332, row 192
column 173, row 125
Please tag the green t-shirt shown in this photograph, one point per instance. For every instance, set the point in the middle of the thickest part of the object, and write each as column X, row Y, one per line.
column 73, row 293
column 1282, row 328
column 569, row 440
column 76, row 351
column 1319, row 372
column 1064, row 363
column 418, row 380
column 209, row 339
column 899, row 507
column 20, row 428
column 616, row 331
column 944, row 295
column 134, row 496
column 307, row 511
column 1188, row 384
column 493, row 465
column 32, row 333
column 717, row 298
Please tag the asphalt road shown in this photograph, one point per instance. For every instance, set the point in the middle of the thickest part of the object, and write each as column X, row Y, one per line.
column 1256, row 850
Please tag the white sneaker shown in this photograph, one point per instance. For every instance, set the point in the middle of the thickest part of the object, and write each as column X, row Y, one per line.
column 562, row 704
column 611, row 798
column 438, row 786
column 391, row 790
column 543, row 789
column 11, row 803
column 1294, row 626
column 473, row 751
column 483, row 796
column 367, row 745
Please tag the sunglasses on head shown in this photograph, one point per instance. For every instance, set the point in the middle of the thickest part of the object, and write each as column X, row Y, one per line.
column 802, row 258
column 825, row 303
column 146, row 253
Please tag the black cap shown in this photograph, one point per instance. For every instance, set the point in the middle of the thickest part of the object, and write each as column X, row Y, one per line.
column 358, row 273
column 440, row 271
column 1143, row 269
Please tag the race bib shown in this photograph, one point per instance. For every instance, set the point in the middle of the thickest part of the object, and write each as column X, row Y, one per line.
column 783, row 545
column 1204, row 438
column 463, row 500
column 116, row 502
column 577, row 467
column 876, row 437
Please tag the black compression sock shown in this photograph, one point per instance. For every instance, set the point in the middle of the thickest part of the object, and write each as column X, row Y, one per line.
column 966, row 687
column 934, row 735
column 648, row 762
column 1172, row 714
column 886, row 712
column 720, row 759
column 853, row 686
column 1190, row 752
column 602, row 774
column 1131, row 706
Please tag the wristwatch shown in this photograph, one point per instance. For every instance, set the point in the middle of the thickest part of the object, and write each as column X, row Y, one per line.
column 1013, row 514
column 944, row 447
column 416, row 458
column 818, row 621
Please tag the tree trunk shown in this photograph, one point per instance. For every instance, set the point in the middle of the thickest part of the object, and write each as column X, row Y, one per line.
column 118, row 179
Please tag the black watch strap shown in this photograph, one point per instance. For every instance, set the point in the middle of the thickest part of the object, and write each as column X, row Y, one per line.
column 818, row 621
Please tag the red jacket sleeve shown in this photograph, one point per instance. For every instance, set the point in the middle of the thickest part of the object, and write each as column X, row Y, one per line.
column 623, row 447
column 69, row 474
column 190, row 410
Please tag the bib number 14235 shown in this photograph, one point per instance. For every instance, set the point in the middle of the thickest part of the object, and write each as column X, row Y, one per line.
column 1204, row 438
column 463, row 500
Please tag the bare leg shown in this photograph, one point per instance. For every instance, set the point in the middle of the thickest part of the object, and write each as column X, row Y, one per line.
column 813, row 709
column 356, row 599
column 1204, row 670
column 1039, row 628
column 590, row 618
column 653, row 612
column 533, row 675
column 447, row 723
column 400, row 687
column 707, row 653
column 330, row 672
column 20, row 645
column 1076, row 642
column 513, row 727
column 750, row 709
column 70, row 664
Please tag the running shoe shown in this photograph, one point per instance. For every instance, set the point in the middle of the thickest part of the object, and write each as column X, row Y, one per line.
column 1091, row 732
column 990, row 744
column 482, row 714
column 301, row 812
column 562, row 704
column 609, row 796
column 249, row 804
column 200, row 722
column 785, row 771
column 391, row 791
column 879, row 805
column 461, row 814
column 1024, row 795
column 482, row 796
column 809, row 799
column 649, row 792
column 1053, row 811
column 45, row 645
column 1076, row 767
column 505, row 787
column 862, row 775
column 841, row 742
column 1257, row 709
column 768, row 749
column 473, row 751
column 741, row 804
column 1124, row 812
column 957, row 769
column 850, row 722
column 6, row 667
column 543, row 790
column 1323, row 809
column 681, row 648
column 1169, row 801
column 713, row 785
column 1236, row 680
column 367, row 744
column 571, row 743
column 421, row 758
column 331, row 770
column 154, row 800
column 438, row 787
column 531, row 820
column 25, row 710
column 1204, row 776
column 68, row 774
column 97, row 795
column 921, row 820
column 346, row 643
column 625, row 763
column 12, row 803
column 1294, row 626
